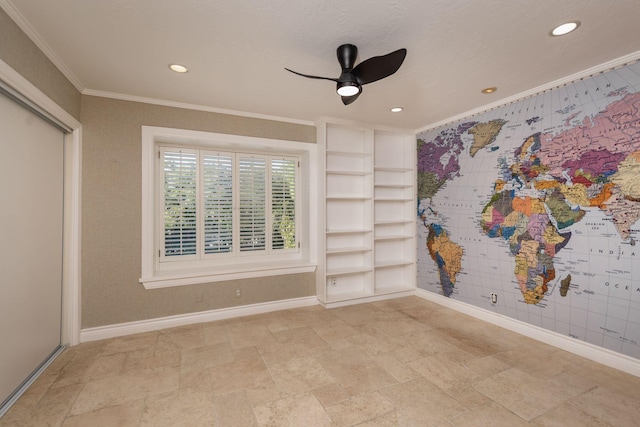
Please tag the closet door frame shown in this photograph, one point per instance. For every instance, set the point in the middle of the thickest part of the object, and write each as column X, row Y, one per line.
column 70, row 328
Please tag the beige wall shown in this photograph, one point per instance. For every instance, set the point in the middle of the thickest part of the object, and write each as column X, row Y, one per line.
column 21, row 54
column 111, row 215
column 111, row 188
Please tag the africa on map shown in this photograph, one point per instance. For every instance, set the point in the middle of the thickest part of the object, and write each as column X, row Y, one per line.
column 538, row 201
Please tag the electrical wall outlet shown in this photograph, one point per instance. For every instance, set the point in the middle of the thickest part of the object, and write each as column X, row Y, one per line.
column 238, row 293
column 494, row 298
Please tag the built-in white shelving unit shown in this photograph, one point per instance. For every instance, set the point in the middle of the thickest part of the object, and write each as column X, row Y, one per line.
column 369, row 204
column 394, row 212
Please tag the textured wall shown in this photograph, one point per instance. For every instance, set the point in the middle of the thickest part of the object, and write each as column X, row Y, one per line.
column 21, row 54
column 111, row 215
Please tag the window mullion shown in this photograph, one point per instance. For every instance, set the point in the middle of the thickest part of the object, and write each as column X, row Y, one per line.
column 235, row 191
column 269, row 228
column 297, row 210
column 199, row 205
column 159, row 206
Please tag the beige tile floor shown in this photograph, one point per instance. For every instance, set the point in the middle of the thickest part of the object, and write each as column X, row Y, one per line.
column 403, row 362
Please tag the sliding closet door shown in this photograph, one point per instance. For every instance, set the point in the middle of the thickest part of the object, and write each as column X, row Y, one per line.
column 31, row 219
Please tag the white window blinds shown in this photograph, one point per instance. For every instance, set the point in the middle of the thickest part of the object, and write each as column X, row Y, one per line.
column 226, row 204
column 180, row 222
column 283, row 209
column 218, row 202
column 252, row 176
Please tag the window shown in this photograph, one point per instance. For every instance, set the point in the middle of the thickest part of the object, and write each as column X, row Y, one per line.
column 206, row 216
column 219, row 207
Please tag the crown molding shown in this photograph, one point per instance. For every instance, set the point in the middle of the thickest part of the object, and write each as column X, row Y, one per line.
column 187, row 106
column 35, row 37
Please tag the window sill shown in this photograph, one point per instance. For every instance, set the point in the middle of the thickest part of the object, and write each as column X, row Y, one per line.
column 235, row 273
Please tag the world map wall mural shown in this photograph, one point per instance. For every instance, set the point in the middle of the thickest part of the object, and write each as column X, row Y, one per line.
column 538, row 202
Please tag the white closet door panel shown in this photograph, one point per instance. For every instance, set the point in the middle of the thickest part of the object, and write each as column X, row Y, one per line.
column 31, row 218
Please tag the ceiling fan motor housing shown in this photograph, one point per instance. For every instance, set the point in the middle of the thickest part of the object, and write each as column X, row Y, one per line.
column 347, row 54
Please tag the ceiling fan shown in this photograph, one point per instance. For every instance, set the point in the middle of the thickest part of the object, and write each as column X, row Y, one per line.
column 349, row 84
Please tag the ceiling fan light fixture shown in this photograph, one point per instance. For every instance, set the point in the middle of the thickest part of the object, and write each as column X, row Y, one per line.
column 348, row 88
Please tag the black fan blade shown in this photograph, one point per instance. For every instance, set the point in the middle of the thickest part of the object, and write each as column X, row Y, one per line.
column 346, row 100
column 312, row 77
column 379, row 67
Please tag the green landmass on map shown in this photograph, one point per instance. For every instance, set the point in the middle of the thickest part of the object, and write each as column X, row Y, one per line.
column 564, row 285
column 429, row 184
column 561, row 211
column 484, row 134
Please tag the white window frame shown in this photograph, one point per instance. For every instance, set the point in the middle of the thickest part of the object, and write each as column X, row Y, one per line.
column 159, row 274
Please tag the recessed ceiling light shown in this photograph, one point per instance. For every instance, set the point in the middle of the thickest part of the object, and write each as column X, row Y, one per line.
column 489, row 89
column 396, row 109
column 178, row 68
column 565, row 28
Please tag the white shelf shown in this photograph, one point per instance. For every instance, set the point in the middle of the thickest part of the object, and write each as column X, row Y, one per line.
column 393, row 237
column 347, row 172
column 348, row 270
column 386, row 169
column 396, row 263
column 394, row 213
column 393, row 222
column 349, row 198
column 393, row 185
column 347, row 231
column 347, row 154
column 368, row 184
column 347, row 250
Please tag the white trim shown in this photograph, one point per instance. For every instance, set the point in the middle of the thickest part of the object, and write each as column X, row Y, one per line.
column 245, row 273
column 165, row 275
column 122, row 329
column 72, row 240
column 368, row 299
column 35, row 37
column 72, row 203
column 593, row 352
column 28, row 90
column 618, row 62
column 326, row 120
column 187, row 106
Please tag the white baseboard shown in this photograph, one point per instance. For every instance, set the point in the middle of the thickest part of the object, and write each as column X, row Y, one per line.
column 363, row 300
column 121, row 329
column 598, row 354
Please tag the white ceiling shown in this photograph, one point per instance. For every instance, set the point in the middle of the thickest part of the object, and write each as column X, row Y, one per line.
column 237, row 50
